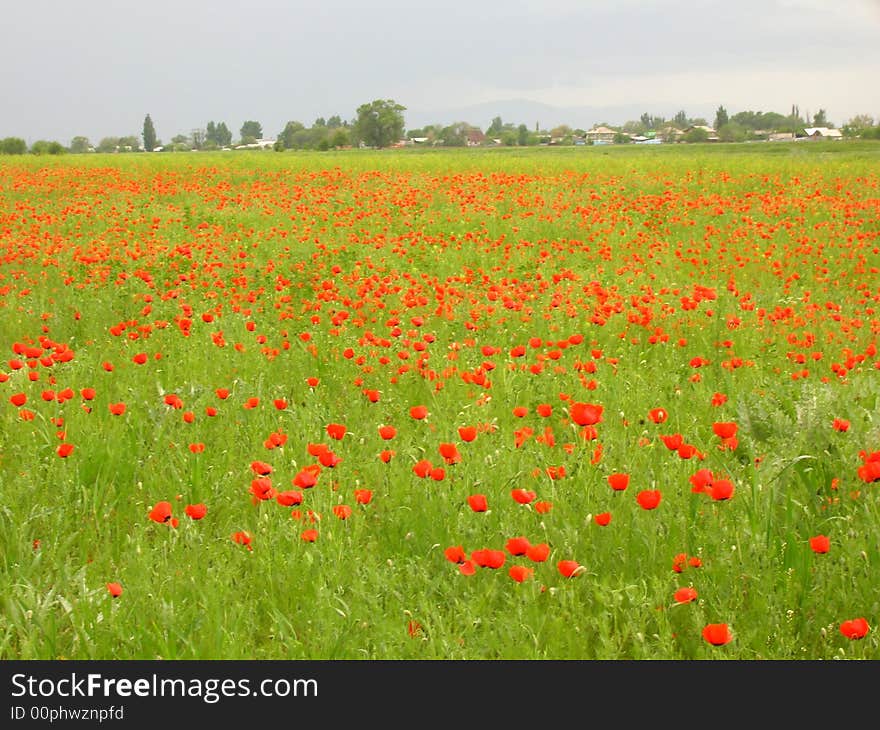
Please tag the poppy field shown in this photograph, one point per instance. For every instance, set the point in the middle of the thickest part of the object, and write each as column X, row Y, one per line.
column 525, row 404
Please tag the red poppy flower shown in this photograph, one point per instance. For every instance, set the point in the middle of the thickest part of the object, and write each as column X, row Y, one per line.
column 856, row 628
column 140, row 358
column 242, row 538
column 467, row 433
column 115, row 589
column 161, row 512
column 685, row 595
column 438, row 474
column 701, row 481
column 372, row 395
column 449, row 452
column 336, row 431
column 602, row 519
column 658, row 415
column 719, row 399
column 542, row 508
column 520, row 573
column 418, row 412
column 196, row 511
column 342, row 511
column 717, row 634
column 386, row 455
column 363, row 496
column 520, row 411
column 64, row 450
column 289, row 498
column 467, row 567
column 538, row 553
column 839, row 424
column 312, row 382
column 523, row 496
column 307, row 477
column 422, row 468
column 280, row 403
column 88, row 393
column 117, row 409
column 18, row 400
column 310, row 535
column 820, row 544
column 455, row 554
column 586, row 414
column 222, row 393
column 569, row 568
column 544, row 410
column 724, row 430
column 329, row 459
column 517, row 546
column 261, row 468
column 648, row 498
column 673, row 441
column 488, row 558
column 478, row 502
column 387, row 432
column 721, row 489
column 251, row 403
column 618, row 482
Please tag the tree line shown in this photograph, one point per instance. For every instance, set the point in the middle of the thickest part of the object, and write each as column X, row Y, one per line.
column 380, row 124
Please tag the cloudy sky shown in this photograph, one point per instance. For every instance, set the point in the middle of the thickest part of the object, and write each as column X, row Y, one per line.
column 96, row 68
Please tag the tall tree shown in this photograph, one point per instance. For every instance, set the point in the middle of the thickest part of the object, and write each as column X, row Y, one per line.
column 495, row 128
column 820, row 119
column 379, row 123
column 149, row 134
column 251, row 131
column 224, row 135
column 721, row 117
column 79, row 144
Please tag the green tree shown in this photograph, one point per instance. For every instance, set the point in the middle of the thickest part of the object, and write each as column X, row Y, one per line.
column 287, row 138
column 733, row 132
column 12, row 146
column 379, row 123
column 522, row 135
column 251, row 131
column 696, row 134
column 80, row 144
column 129, row 144
column 108, row 144
column 680, row 120
column 455, row 135
column 495, row 128
column 335, row 121
column 149, row 134
column 339, row 138
column 721, row 117
column 821, row 119
column 224, row 135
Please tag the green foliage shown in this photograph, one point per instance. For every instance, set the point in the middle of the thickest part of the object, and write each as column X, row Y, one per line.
column 12, row 146
column 251, row 131
column 149, row 134
column 45, row 147
column 696, row 134
column 721, row 117
column 379, row 123
column 80, row 144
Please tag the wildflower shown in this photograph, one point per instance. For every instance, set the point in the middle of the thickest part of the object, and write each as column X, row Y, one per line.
column 717, row 634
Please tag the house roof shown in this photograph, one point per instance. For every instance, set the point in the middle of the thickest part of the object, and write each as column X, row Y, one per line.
column 822, row 132
column 602, row 130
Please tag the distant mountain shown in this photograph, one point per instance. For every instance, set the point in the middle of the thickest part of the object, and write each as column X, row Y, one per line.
column 545, row 116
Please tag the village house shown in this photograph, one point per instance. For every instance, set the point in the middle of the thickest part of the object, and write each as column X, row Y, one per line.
column 601, row 135
column 822, row 133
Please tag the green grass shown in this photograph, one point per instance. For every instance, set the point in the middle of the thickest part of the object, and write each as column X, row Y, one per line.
column 488, row 247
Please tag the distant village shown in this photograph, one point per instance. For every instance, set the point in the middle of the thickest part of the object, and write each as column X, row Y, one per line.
column 380, row 124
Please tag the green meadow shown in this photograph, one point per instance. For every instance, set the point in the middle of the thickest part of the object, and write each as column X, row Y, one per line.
column 650, row 388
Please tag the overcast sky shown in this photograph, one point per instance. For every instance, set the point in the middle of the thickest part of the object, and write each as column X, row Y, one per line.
column 96, row 68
